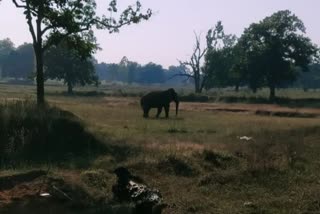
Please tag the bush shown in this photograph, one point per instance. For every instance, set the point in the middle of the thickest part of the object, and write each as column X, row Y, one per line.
column 29, row 133
column 194, row 98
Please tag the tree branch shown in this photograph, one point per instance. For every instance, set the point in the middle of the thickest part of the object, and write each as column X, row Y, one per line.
column 29, row 21
column 63, row 36
column 181, row 74
column 19, row 6
column 23, row 6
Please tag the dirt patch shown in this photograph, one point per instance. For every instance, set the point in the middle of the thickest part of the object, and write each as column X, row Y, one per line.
column 115, row 102
column 237, row 108
column 258, row 109
column 22, row 193
column 8, row 182
column 180, row 147
column 286, row 114
column 228, row 110
column 20, row 186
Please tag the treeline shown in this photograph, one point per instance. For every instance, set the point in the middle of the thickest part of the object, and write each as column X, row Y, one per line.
column 64, row 63
column 16, row 62
column 133, row 72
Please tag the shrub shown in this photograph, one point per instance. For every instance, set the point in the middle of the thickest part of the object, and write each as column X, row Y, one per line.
column 194, row 98
column 29, row 133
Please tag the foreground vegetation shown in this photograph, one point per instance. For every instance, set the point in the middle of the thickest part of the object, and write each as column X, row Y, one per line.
column 197, row 160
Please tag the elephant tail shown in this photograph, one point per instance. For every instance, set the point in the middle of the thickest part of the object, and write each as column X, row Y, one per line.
column 141, row 102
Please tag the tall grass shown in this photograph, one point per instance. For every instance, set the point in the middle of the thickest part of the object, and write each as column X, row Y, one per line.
column 32, row 134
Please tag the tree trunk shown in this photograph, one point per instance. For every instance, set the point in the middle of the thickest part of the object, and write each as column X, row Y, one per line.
column 40, row 75
column 197, row 87
column 272, row 92
column 236, row 88
column 197, row 83
column 70, row 88
column 38, row 49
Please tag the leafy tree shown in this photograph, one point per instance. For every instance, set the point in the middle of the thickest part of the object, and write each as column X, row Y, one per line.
column 123, row 69
column 273, row 47
column 20, row 62
column 58, row 20
column 101, row 70
column 219, row 58
column 65, row 63
column 6, row 47
column 26, row 60
column 133, row 69
column 152, row 73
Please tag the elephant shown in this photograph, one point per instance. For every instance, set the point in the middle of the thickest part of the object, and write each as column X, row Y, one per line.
column 159, row 100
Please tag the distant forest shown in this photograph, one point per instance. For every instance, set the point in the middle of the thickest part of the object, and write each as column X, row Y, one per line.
column 18, row 63
column 132, row 72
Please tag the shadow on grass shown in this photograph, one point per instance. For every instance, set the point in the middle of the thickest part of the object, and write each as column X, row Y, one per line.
column 176, row 166
column 78, row 94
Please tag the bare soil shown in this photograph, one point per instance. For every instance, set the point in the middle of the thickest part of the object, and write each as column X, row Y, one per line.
column 258, row 109
column 22, row 193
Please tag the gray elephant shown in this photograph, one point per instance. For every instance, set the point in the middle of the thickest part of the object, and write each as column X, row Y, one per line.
column 159, row 100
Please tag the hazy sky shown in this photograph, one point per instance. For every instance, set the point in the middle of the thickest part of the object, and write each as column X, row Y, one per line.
column 168, row 35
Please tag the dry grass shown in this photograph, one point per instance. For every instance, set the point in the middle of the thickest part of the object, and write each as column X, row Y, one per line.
column 197, row 159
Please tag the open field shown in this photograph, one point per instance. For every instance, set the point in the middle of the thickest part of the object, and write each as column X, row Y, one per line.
column 197, row 160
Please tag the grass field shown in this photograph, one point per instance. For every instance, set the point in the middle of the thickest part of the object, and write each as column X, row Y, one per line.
column 197, row 160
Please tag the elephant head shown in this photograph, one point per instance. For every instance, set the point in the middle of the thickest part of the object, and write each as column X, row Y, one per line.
column 174, row 97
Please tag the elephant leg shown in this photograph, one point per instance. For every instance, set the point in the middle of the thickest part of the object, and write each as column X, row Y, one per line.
column 166, row 108
column 146, row 112
column 159, row 111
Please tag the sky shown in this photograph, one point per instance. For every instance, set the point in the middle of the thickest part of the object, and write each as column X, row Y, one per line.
column 169, row 35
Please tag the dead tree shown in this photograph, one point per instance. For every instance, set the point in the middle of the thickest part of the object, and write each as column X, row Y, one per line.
column 193, row 67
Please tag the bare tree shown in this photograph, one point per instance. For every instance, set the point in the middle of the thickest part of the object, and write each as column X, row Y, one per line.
column 193, row 65
column 215, row 39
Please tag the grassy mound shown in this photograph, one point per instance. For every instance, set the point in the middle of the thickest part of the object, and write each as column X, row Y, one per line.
column 31, row 134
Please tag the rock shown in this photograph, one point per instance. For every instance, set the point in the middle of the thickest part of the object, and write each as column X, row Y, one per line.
column 246, row 138
column 130, row 188
column 248, row 204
